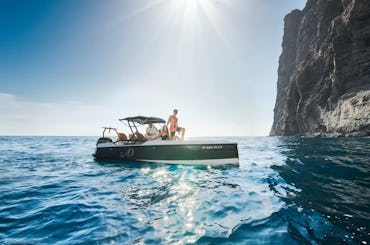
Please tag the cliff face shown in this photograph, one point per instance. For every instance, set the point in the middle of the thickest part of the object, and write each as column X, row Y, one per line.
column 324, row 70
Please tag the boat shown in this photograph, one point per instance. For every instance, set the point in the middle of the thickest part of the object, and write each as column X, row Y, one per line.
column 136, row 148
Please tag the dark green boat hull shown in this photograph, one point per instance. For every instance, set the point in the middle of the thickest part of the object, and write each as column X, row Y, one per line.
column 183, row 153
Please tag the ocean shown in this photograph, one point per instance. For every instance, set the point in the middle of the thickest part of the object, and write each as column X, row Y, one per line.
column 287, row 190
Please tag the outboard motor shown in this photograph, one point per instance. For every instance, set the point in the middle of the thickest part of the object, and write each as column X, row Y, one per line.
column 104, row 140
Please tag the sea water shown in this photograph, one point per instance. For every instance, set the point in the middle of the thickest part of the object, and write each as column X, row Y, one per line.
column 285, row 191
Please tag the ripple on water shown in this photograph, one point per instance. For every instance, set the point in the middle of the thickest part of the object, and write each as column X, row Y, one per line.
column 285, row 191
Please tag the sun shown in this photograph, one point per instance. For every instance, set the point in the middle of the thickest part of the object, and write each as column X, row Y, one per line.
column 191, row 10
column 185, row 25
column 194, row 16
column 185, row 14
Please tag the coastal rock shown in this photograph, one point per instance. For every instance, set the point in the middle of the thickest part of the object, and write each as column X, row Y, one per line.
column 323, row 83
column 351, row 116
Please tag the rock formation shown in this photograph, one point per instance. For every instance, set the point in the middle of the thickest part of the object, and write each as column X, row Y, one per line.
column 324, row 70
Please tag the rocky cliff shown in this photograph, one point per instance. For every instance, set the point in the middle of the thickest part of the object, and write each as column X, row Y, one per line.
column 324, row 70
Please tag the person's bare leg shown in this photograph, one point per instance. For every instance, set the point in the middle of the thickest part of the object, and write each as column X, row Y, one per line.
column 182, row 133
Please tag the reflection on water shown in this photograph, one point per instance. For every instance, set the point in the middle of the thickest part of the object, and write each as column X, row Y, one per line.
column 187, row 203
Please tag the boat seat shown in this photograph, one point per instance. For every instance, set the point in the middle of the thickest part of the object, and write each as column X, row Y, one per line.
column 137, row 137
column 140, row 137
column 104, row 140
column 122, row 137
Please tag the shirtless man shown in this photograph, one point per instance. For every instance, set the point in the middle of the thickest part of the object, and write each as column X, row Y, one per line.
column 174, row 127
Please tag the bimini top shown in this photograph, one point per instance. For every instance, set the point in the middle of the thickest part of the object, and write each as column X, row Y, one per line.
column 143, row 120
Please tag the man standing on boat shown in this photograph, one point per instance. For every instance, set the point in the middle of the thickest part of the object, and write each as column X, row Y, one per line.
column 174, row 127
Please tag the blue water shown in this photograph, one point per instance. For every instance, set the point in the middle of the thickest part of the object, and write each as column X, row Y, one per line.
column 285, row 191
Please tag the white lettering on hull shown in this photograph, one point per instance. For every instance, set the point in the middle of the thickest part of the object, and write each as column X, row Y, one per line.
column 212, row 147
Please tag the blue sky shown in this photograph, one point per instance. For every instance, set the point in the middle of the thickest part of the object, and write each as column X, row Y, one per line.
column 70, row 67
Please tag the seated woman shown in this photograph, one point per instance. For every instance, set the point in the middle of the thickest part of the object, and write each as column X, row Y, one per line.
column 165, row 135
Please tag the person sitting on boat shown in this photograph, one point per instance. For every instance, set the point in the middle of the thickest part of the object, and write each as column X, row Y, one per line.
column 165, row 135
column 152, row 132
column 174, row 127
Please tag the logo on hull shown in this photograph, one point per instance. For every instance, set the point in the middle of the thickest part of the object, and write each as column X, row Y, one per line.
column 127, row 154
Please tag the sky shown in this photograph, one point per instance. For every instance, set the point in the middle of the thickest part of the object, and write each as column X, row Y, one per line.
column 71, row 67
